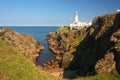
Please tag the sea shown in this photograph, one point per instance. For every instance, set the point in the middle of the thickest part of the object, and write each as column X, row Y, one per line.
column 39, row 33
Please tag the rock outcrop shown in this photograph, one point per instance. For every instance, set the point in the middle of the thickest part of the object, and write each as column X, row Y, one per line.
column 106, row 65
column 51, row 66
column 116, row 39
column 26, row 44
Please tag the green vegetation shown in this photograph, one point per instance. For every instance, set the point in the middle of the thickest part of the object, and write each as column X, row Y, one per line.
column 102, row 76
column 15, row 66
column 114, row 76
column 70, row 39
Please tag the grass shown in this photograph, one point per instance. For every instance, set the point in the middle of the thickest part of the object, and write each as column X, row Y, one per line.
column 102, row 77
column 15, row 66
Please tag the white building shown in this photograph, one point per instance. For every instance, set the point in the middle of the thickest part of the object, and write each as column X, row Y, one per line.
column 76, row 24
column 118, row 10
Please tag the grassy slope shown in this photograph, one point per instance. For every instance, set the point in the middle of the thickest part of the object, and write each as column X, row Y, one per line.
column 102, row 77
column 14, row 66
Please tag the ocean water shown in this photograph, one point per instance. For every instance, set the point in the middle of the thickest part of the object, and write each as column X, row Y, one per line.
column 39, row 33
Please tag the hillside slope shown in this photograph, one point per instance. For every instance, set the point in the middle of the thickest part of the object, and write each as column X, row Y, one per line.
column 15, row 66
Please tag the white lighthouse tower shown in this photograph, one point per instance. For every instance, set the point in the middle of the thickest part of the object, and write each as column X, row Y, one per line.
column 76, row 18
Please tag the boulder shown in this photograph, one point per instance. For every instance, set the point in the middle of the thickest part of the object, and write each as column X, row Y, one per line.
column 106, row 64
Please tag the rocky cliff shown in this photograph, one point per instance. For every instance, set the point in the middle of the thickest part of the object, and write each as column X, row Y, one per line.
column 63, row 43
column 91, row 50
column 26, row 44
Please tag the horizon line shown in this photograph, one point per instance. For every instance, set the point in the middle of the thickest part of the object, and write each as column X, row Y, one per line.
column 30, row 26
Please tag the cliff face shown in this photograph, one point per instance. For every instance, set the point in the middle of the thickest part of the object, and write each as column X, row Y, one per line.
column 26, row 44
column 99, row 52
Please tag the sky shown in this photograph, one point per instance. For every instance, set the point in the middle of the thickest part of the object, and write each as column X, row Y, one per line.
column 52, row 12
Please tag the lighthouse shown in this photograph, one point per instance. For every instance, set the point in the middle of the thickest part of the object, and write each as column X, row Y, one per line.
column 76, row 18
column 77, row 24
column 118, row 10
